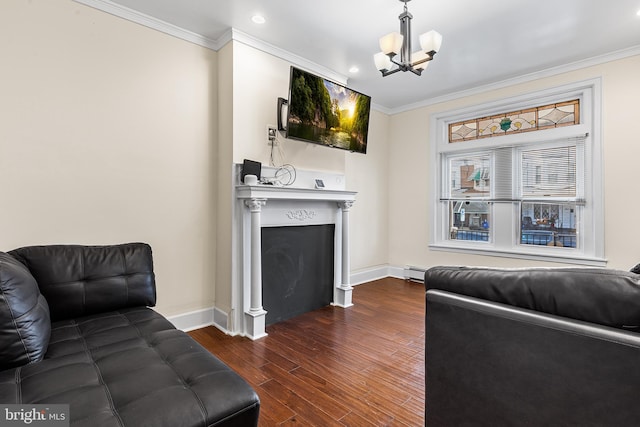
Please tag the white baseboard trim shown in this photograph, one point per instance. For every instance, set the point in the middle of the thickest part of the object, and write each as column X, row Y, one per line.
column 407, row 273
column 376, row 273
column 193, row 320
column 221, row 320
column 396, row 272
column 213, row 316
column 368, row 275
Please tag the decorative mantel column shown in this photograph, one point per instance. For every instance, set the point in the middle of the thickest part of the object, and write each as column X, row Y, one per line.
column 344, row 290
column 256, row 316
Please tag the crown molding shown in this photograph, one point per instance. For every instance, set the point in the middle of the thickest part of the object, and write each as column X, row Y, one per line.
column 549, row 72
column 263, row 46
column 381, row 109
column 231, row 34
column 150, row 22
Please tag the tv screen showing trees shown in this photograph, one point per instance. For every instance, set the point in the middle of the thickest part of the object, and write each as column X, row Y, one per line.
column 327, row 113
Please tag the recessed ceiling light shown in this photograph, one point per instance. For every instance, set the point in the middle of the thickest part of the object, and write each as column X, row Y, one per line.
column 258, row 19
column 354, row 69
column 638, row 13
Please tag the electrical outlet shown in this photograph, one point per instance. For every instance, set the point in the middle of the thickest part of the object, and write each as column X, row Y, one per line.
column 271, row 133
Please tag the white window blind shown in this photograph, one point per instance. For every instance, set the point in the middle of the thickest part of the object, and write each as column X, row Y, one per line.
column 553, row 173
column 549, row 172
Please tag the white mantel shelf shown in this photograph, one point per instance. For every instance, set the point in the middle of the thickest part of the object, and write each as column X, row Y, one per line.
column 272, row 206
column 274, row 192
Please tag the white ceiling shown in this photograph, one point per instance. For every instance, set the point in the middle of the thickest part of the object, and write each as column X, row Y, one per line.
column 485, row 41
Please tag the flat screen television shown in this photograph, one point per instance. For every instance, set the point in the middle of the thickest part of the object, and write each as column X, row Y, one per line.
column 327, row 113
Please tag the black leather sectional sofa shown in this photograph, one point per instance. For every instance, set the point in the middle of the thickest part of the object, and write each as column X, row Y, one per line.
column 532, row 347
column 76, row 329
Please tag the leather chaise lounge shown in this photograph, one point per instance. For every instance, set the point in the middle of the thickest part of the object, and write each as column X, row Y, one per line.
column 532, row 347
column 76, row 329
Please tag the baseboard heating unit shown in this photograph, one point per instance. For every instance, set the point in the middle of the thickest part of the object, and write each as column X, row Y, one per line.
column 414, row 273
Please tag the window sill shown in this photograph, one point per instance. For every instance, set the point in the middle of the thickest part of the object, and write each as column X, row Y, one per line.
column 559, row 257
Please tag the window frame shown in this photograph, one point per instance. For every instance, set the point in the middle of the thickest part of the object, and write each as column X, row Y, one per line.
column 504, row 241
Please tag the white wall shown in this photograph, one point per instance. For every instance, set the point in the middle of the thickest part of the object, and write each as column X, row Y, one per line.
column 107, row 135
column 258, row 80
column 223, row 178
column 369, row 218
column 409, row 214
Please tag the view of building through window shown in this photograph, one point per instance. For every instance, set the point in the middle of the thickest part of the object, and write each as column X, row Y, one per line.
column 548, row 224
column 470, row 220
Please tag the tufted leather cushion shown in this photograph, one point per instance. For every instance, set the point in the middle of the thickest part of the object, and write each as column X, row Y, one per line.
column 131, row 367
column 603, row 296
column 82, row 280
column 24, row 315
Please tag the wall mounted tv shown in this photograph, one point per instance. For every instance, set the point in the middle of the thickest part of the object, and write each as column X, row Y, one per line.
column 327, row 113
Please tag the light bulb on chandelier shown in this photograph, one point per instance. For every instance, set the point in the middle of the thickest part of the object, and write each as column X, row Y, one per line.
column 394, row 44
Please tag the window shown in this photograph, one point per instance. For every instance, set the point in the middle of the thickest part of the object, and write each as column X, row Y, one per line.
column 529, row 194
column 549, row 206
column 469, row 216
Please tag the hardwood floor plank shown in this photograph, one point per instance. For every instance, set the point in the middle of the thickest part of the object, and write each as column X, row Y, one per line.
column 307, row 391
column 299, row 405
column 360, row 366
column 354, row 399
column 355, row 420
column 272, row 411
column 275, row 358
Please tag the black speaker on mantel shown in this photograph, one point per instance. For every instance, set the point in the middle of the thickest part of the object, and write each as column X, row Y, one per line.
column 250, row 167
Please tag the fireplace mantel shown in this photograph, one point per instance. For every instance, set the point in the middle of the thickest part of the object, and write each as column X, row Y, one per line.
column 287, row 193
column 262, row 205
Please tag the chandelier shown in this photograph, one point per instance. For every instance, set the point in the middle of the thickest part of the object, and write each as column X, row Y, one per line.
column 395, row 43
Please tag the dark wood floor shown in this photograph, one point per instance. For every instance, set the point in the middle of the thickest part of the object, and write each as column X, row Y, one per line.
column 361, row 366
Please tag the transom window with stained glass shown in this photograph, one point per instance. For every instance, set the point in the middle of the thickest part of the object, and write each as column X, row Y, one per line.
column 527, row 120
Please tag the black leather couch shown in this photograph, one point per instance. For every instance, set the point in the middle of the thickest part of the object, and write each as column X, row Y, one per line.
column 532, row 347
column 75, row 328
